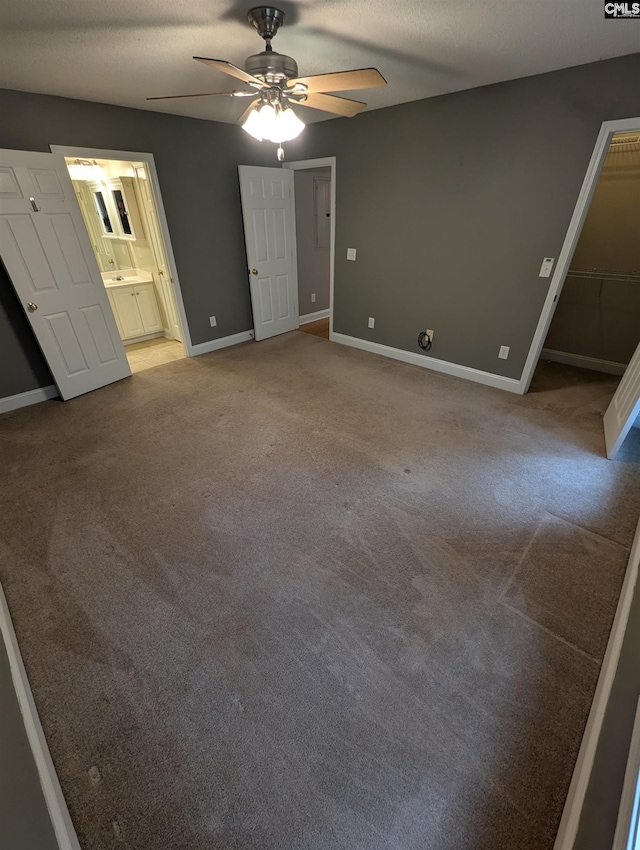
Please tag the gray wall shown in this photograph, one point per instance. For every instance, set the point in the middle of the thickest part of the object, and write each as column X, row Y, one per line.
column 22, row 366
column 24, row 817
column 313, row 262
column 197, row 167
column 452, row 203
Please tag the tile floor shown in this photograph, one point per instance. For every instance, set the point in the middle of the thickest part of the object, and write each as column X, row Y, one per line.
column 153, row 352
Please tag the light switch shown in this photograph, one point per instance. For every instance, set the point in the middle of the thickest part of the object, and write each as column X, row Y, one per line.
column 545, row 268
column 351, row 253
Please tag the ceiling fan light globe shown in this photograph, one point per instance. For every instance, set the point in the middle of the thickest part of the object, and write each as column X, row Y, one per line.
column 289, row 126
column 254, row 125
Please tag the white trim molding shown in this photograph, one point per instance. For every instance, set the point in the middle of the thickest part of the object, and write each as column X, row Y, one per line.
column 314, row 317
column 149, row 161
column 583, row 362
column 13, row 402
column 446, row 368
column 223, row 342
column 570, row 820
column 52, row 792
column 607, row 130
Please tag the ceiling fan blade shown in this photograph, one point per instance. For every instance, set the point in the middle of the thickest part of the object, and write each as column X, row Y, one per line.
column 232, row 70
column 330, row 103
column 364, row 78
column 207, row 94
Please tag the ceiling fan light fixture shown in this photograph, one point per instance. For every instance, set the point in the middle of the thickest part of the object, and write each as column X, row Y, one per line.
column 274, row 123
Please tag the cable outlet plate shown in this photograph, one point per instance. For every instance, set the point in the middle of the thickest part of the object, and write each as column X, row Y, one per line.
column 372, row 322
column 504, row 352
column 430, row 334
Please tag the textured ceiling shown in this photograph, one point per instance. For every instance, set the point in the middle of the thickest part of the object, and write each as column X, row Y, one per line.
column 121, row 51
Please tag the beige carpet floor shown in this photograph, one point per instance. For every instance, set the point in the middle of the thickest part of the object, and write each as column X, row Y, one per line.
column 293, row 596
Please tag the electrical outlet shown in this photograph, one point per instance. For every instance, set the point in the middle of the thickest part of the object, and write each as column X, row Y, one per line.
column 313, row 298
column 212, row 321
column 430, row 333
column 504, row 352
column 372, row 322
column 351, row 253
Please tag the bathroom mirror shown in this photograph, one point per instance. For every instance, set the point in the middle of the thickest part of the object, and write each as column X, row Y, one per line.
column 111, row 214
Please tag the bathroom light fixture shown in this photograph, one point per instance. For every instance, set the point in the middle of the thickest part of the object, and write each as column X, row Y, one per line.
column 85, row 169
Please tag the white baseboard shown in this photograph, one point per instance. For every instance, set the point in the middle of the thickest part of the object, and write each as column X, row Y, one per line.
column 569, row 823
column 509, row 384
column 582, row 362
column 314, row 317
column 144, row 338
column 52, row 792
column 13, row 402
column 223, row 342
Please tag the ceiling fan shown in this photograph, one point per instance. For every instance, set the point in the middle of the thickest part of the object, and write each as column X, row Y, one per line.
column 274, row 85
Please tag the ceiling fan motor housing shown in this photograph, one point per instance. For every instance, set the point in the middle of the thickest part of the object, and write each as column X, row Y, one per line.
column 271, row 66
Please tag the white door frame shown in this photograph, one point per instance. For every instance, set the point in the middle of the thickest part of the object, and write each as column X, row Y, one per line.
column 607, row 130
column 149, row 161
column 323, row 162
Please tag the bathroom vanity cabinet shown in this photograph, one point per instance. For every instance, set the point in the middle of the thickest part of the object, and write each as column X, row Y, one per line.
column 135, row 308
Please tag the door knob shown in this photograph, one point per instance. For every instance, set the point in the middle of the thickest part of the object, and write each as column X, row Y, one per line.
column 32, row 307
column 254, row 271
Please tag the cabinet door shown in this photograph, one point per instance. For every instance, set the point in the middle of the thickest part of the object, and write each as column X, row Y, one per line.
column 148, row 306
column 124, row 297
column 115, row 312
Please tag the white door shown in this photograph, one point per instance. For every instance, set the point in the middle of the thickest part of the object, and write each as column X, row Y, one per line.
column 269, row 232
column 624, row 408
column 47, row 253
column 156, row 241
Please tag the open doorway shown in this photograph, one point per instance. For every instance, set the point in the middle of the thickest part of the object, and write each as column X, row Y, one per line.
column 588, row 337
column 313, row 244
column 596, row 324
column 314, row 189
column 122, row 217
